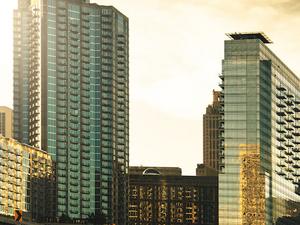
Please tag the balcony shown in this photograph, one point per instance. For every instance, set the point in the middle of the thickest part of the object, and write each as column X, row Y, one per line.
column 280, row 96
column 289, row 169
column 221, row 111
column 281, row 131
column 280, row 138
column 73, row 169
column 281, row 173
column 280, row 88
column 280, row 104
column 296, row 125
column 280, row 122
column 289, row 128
column 296, row 174
column 296, row 142
column 281, row 165
column 289, row 145
column 222, row 155
column 296, row 109
column 288, row 136
column 289, row 111
column 296, row 134
column 289, row 103
column 289, row 119
column 280, row 113
column 296, row 166
column 289, row 161
column 281, row 156
column 280, row 147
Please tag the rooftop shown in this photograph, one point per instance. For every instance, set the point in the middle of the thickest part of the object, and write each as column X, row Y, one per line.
column 154, row 170
column 256, row 35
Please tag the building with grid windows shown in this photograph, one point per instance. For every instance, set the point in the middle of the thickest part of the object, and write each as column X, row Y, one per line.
column 6, row 125
column 71, row 99
column 161, row 196
column 26, row 181
column 260, row 166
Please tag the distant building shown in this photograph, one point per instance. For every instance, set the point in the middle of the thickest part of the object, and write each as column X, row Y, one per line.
column 155, row 198
column 26, row 181
column 211, row 133
column 203, row 170
column 6, row 121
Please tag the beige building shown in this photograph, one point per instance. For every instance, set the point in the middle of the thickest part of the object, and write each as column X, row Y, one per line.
column 26, row 181
column 6, row 119
column 211, row 132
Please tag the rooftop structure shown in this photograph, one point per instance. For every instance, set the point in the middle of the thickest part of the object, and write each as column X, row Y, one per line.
column 163, row 171
column 256, row 35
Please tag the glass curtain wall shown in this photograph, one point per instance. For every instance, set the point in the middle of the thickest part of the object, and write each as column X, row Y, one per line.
column 260, row 139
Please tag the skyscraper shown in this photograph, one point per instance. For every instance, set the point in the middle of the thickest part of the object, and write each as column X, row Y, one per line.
column 71, row 99
column 211, row 133
column 6, row 121
column 259, row 179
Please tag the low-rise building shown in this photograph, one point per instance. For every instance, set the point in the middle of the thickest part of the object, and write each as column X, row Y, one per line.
column 160, row 199
column 26, row 181
column 204, row 170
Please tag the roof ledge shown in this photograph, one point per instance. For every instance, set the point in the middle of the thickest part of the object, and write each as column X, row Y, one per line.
column 251, row 35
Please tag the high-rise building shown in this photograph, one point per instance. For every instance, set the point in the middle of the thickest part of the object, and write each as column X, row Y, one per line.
column 211, row 133
column 163, row 197
column 259, row 179
column 26, row 181
column 6, row 121
column 71, row 99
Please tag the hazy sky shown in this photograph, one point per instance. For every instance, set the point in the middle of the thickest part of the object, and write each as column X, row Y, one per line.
column 176, row 48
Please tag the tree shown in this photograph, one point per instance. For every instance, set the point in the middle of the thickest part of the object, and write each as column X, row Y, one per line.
column 64, row 218
column 98, row 219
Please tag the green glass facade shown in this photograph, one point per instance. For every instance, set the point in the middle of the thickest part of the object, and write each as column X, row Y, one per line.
column 82, row 100
column 259, row 176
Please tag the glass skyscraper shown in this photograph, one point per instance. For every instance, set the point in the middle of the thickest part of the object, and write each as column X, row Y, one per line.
column 71, row 98
column 260, row 159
